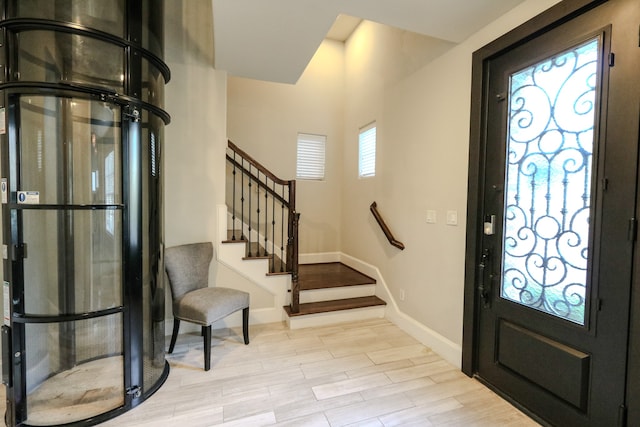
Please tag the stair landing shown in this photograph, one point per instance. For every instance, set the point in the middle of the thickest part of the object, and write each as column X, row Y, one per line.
column 330, row 275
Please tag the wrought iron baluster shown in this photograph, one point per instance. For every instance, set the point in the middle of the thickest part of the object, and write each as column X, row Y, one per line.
column 273, row 229
column 282, row 234
column 266, row 215
column 242, row 201
column 258, row 214
column 233, row 209
column 249, row 254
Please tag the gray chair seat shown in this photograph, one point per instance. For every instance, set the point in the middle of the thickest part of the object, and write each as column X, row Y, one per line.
column 194, row 301
column 207, row 305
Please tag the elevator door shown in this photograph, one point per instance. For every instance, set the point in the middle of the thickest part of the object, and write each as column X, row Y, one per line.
column 65, row 206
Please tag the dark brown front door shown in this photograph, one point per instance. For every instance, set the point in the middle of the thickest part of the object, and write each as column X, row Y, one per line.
column 555, row 242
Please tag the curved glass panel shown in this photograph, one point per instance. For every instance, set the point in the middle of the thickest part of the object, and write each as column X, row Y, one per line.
column 103, row 15
column 49, row 56
column 549, row 172
column 152, row 84
column 153, row 27
column 70, row 150
column 153, row 293
column 75, row 263
column 74, row 369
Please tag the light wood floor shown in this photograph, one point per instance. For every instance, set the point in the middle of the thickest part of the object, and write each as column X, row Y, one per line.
column 366, row 373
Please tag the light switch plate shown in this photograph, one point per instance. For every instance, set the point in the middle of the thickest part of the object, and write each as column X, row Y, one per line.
column 452, row 217
column 432, row 217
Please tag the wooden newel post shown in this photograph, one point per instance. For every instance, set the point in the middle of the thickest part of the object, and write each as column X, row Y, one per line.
column 292, row 248
column 295, row 284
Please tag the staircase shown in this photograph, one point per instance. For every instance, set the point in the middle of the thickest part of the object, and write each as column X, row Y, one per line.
column 333, row 292
column 261, row 216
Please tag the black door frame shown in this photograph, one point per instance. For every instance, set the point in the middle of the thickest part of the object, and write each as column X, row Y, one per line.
column 546, row 21
column 551, row 18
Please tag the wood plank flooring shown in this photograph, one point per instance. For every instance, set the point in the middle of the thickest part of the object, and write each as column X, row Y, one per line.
column 367, row 373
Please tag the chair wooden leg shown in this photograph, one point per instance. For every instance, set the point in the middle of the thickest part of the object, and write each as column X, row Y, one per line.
column 207, row 347
column 174, row 335
column 245, row 324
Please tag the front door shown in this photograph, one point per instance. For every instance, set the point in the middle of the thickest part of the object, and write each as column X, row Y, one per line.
column 558, row 203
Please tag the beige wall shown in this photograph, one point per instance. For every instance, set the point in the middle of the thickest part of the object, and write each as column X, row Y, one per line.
column 264, row 119
column 418, row 90
column 195, row 141
column 422, row 155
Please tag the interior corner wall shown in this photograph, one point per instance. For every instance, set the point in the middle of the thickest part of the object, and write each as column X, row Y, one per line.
column 264, row 119
column 196, row 139
column 422, row 157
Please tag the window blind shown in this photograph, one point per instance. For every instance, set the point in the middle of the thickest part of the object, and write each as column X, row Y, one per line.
column 367, row 151
column 311, row 156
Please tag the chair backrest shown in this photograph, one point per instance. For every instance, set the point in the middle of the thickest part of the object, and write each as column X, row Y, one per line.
column 188, row 267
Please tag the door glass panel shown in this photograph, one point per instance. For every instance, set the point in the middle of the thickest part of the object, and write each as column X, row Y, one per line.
column 70, row 150
column 74, row 263
column 548, row 183
column 74, row 369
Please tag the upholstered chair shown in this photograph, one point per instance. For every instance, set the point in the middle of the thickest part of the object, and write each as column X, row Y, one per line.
column 193, row 300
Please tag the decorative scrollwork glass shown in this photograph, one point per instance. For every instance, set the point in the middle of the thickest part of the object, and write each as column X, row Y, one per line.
column 552, row 111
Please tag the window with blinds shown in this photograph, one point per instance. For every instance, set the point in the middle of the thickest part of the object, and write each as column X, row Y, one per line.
column 367, row 151
column 311, row 156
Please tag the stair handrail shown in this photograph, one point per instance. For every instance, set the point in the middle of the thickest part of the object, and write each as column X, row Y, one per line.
column 256, row 164
column 385, row 229
column 288, row 201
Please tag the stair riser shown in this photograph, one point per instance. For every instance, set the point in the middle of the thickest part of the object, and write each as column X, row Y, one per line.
column 328, row 294
column 330, row 318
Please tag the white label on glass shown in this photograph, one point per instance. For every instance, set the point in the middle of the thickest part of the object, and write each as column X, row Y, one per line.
column 5, row 299
column 3, row 190
column 3, row 127
column 29, row 197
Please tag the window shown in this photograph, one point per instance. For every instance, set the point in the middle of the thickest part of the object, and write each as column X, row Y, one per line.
column 367, row 151
column 311, row 150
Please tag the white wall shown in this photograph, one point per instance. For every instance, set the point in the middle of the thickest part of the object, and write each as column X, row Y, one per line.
column 264, row 119
column 423, row 140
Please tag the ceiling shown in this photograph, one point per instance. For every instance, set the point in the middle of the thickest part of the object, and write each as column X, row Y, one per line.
column 274, row 40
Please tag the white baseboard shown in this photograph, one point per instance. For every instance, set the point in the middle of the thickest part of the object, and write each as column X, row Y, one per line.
column 318, row 258
column 446, row 348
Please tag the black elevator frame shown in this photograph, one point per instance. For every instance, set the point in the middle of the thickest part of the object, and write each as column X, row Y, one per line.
column 138, row 13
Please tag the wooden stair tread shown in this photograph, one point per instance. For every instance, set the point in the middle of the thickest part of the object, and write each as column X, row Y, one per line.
column 239, row 238
column 330, row 275
column 335, row 305
column 257, row 252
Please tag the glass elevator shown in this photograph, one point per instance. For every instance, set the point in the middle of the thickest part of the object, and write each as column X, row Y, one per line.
column 81, row 134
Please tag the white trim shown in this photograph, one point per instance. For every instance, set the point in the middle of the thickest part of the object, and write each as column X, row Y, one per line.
column 317, row 258
column 446, row 348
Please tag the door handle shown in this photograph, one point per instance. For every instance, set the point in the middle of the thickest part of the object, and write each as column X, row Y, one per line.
column 483, row 289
